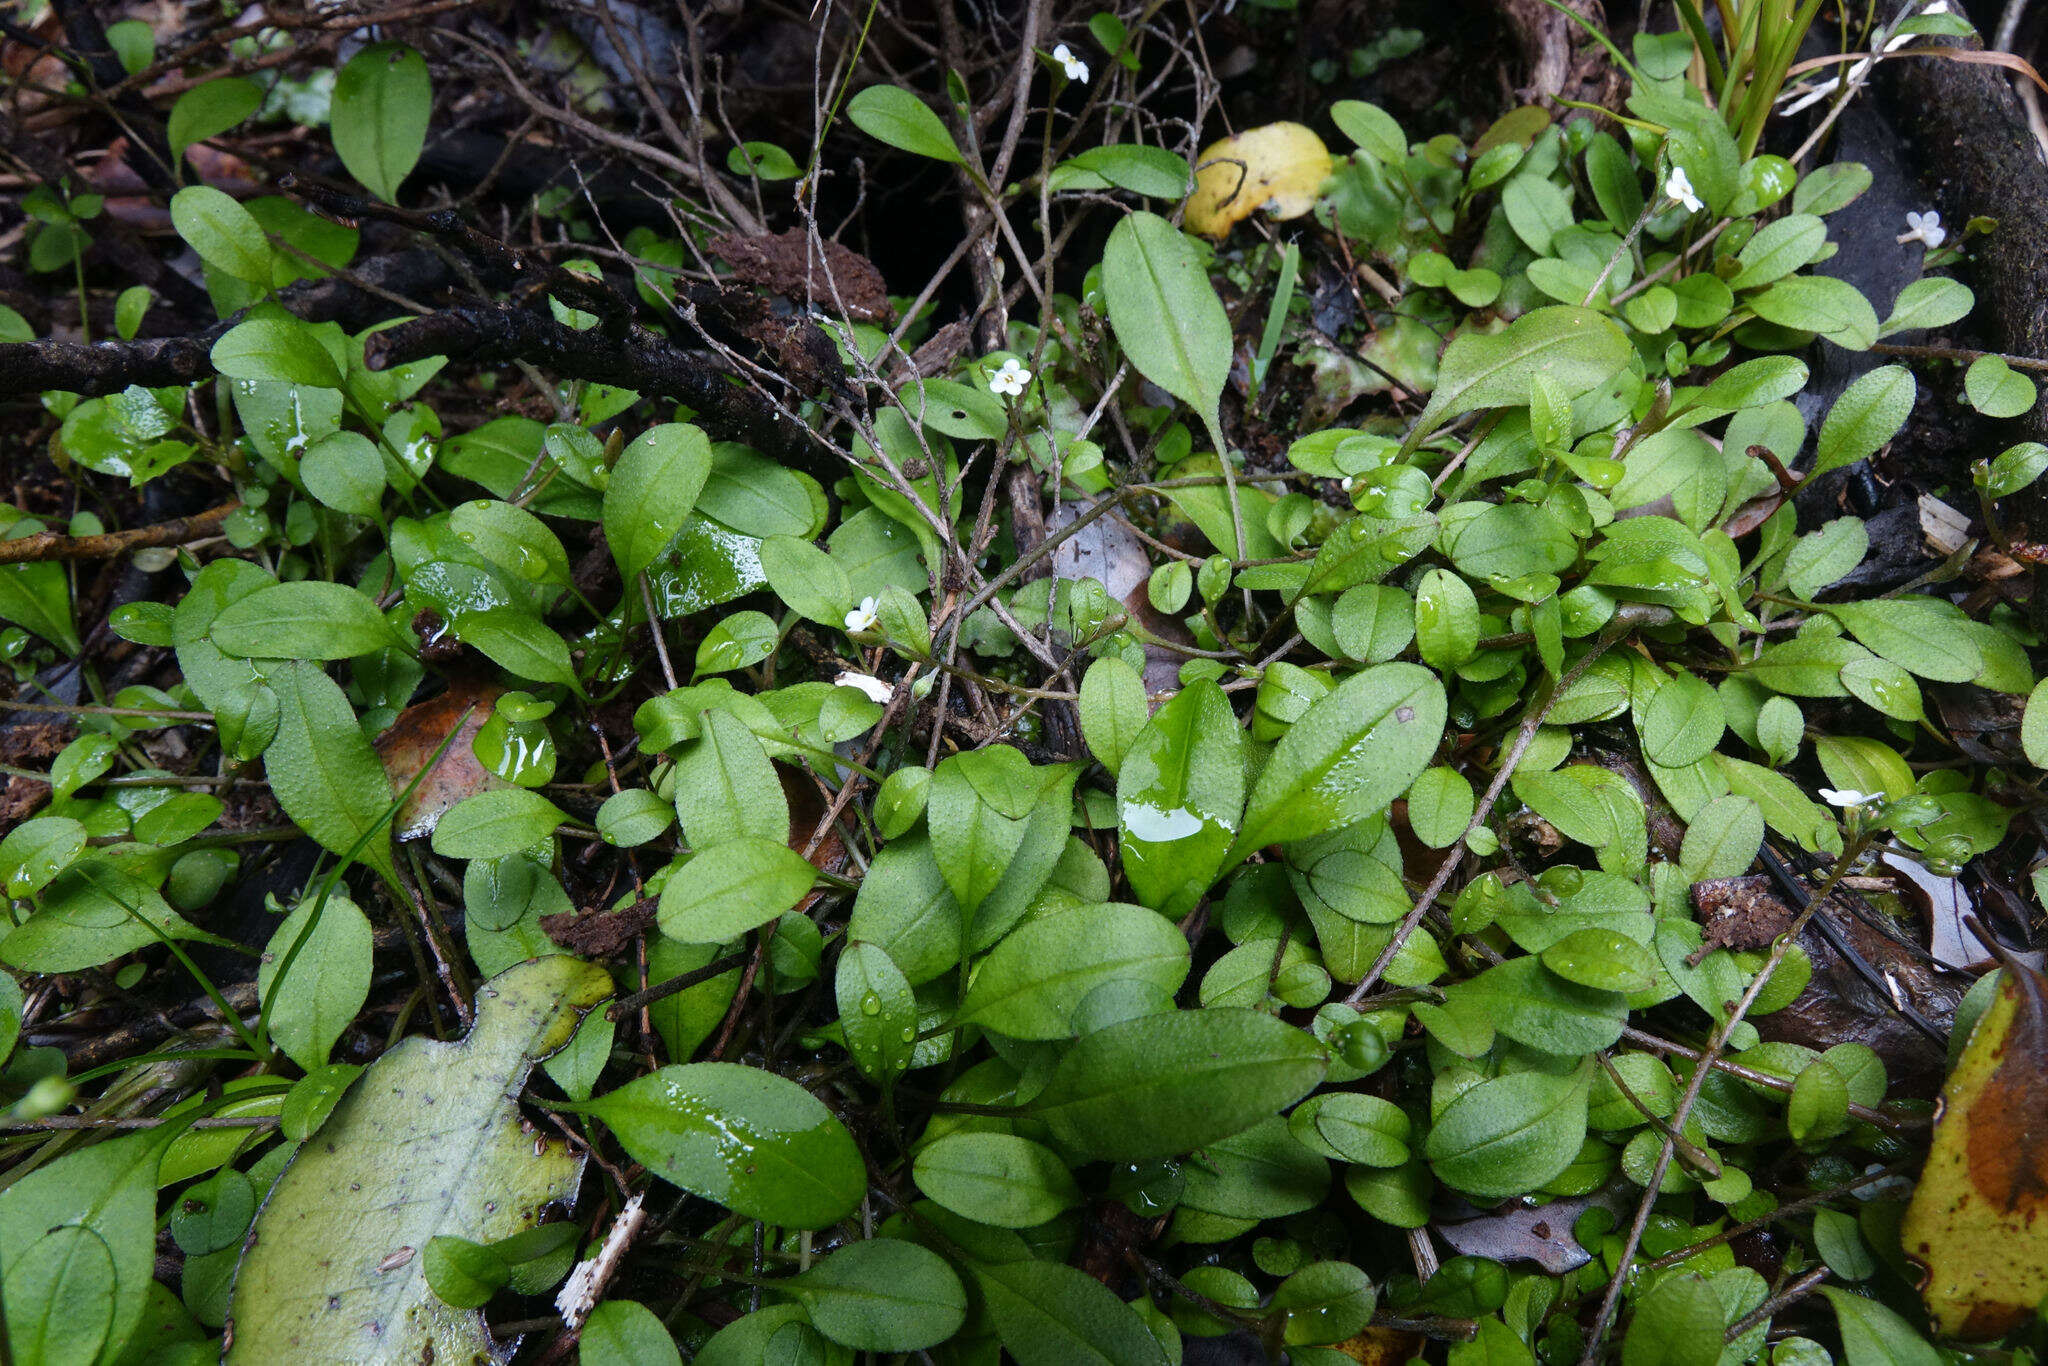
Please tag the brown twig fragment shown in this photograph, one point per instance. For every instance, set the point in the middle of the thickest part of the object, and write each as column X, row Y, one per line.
column 54, row 545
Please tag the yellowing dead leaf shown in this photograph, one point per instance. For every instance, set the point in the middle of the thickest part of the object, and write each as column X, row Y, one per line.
column 1975, row 1222
column 414, row 737
column 1279, row 167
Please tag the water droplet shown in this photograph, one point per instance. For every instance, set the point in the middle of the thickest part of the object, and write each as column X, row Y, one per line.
column 871, row 1004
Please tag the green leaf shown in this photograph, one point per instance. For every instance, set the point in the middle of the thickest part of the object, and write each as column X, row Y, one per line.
column 1579, row 348
column 1822, row 557
column 312, row 619
column 882, row 1295
column 314, row 999
column 429, row 1142
column 1354, row 751
column 763, row 159
column 1873, row 1335
column 1052, row 1314
column 1869, row 413
column 652, row 492
column 226, row 235
column 807, row 579
column 346, row 472
column 93, row 913
column 1930, row 301
column 1113, row 709
column 1152, row 171
column 1819, row 1107
column 1779, row 248
column 1446, row 620
column 1603, row 959
column 1542, row 1009
column 726, row 786
column 1164, row 312
column 462, row 1273
column 1923, row 635
column 626, row 1333
column 734, row 886
column 207, row 110
column 1031, row 984
column 1324, row 1302
column 49, row 1218
column 61, row 1297
column 275, row 346
column 1841, row 1245
column 877, row 1012
column 997, row 1179
column 2034, row 726
column 1372, row 128
column 756, row 1143
column 493, row 824
column 1995, row 389
column 1511, row 1134
column 383, row 99
column 1440, row 806
column 893, row 115
column 1682, row 723
column 1161, row 1085
column 1820, row 303
column 1722, row 838
column 1180, row 794
column 323, row 772
column 1677, row 1323
column 905, row 906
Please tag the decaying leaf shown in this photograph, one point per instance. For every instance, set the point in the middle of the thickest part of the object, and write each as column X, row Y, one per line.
column 411, row 742
column 1278, row 167
column 428, row 1142
column 1976, row 1222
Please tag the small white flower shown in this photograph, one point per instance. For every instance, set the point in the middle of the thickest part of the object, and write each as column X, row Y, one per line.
column 863, row 617
column 1678, row 186
column 1849, row 796
column 1011, row 379
column 1925, row 228
column 875, row 688
column 1076, row 69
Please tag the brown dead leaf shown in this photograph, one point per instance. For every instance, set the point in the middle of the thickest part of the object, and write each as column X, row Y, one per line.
column 788, row 264
column 1975, row 1224
column 411, row 742
column 1382, row 1347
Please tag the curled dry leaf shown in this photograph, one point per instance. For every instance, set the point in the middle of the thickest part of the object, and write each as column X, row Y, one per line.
column 1279, row 167
column 1976, row 1222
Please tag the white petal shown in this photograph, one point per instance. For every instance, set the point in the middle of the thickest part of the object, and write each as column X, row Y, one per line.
column 875, row 688
column 1062, row 54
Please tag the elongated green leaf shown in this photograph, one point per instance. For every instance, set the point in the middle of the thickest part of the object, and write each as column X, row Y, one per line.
column 1869, row 413
column 1354, row 751
column 1164, row 312
column 106, row 1191
column 493, row 824
column 1051, row 1314
column 653, row 489
column 382, row 101
column 327, row 981
column 309, row 620
column 893, row 115
column 732, row 887
column 1165, row 1084
column 1180, row 798
column 756, row 1143
column 1510, row 1134
column 1031, row 984
column 427, row 1143
column 273, row 345
column 1578, row 348
column 883, row 1295
column 225, row 234
column 997, row 1179
column 321, row 769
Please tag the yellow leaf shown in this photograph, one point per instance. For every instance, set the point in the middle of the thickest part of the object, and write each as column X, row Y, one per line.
column 1279, row 168
column 1975, row 1223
